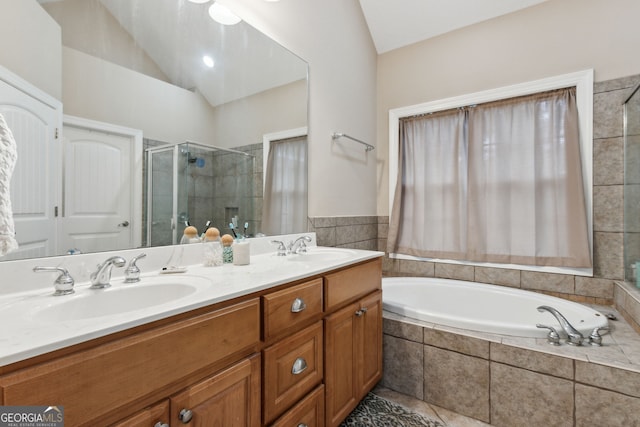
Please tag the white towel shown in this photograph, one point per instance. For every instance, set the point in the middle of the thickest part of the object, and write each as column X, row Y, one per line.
column 8, row 157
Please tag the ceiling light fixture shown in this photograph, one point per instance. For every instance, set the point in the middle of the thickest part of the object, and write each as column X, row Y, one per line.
column 208, row 61
column 199, row 1
column 222, row 15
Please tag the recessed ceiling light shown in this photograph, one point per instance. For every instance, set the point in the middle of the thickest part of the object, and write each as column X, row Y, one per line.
column 222, row 15
column 208, row 61
column 199, row 1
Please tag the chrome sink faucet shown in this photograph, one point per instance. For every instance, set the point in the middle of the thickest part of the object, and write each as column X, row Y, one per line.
column 101, row 277
column 574, row 337
column 132, row 272
column 299, row 246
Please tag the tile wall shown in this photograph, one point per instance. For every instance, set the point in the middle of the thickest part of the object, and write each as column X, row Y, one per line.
column 511, row 381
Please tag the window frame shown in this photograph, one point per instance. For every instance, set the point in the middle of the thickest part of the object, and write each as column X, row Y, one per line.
column 582, row 80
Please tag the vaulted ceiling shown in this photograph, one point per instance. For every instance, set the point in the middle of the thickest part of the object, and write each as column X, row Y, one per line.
column 398, row 23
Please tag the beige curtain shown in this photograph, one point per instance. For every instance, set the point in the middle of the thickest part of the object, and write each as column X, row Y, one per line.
column 505, row 186
column 284, row 209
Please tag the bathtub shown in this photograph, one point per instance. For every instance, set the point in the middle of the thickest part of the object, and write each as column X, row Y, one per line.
column 482, row 307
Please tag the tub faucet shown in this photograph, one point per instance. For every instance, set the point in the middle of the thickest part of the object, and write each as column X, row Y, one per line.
column 101, row 277
column 574, row 337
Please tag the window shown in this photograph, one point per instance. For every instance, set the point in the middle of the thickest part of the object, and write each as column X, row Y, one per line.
column 498, row 182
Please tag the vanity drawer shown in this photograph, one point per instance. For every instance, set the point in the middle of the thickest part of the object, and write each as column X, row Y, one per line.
column 291, row 307
column 346, row 285
column 308, row 412
column 292, row 368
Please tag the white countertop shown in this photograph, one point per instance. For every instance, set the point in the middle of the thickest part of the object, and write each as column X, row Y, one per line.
column 26, row 333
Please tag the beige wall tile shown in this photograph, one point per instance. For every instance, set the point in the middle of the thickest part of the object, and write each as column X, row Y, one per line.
column 455, row 342
column 404, row 330
column 547, row 282
column 608, row 255
column 523, row 398
column 457, row 382
column 618, row 380
column 607, row 113
column 597, row 288
column 597, row 407
column 608, row 161
column 403, row 366
column 534, row 361
column 608, row 208
column 454, row 271
column 498, row 276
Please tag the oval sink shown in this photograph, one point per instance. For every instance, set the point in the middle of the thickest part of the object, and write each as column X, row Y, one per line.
column 316, row 254
column 118, row 299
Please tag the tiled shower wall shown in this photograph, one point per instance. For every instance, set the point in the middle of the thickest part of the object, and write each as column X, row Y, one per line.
column 370, row 232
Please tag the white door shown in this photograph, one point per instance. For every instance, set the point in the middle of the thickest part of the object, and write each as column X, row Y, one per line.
column 33, row 117
column 97, row 191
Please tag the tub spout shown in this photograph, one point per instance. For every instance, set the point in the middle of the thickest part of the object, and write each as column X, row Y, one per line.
column 574, row 337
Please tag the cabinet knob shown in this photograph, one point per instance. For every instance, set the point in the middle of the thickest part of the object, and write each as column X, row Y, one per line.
column 160, row 424
column 299, row 366
column 302, row 425
column 361, row 312
column 298, row 305
column 185, row 415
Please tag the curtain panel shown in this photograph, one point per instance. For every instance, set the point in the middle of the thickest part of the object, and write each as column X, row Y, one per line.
column 497, row 182
column 284, row 209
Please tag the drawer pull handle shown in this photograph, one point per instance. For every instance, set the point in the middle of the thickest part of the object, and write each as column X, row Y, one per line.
column 299, row 366
column 298, row 305
column 361, row 312
column 302, row 425
column 185, row 416
column 160, row 424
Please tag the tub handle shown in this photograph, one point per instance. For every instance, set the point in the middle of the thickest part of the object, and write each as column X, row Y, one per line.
column 552, row 337
column 595, row 338
column 361, row 312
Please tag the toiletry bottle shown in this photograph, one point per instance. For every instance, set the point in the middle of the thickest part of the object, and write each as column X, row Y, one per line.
column 227, row 250
column 241, row 252
column 190, row 235
column 212, row 247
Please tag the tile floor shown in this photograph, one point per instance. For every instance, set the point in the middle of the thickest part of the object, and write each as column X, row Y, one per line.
column 450, row 419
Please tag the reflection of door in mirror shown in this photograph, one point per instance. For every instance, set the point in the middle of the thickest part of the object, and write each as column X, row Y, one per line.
column 33, row 117
column 97, row 212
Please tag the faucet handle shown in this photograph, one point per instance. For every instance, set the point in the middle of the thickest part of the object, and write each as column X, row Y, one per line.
column 132, row 272
column 595, row 338
column 63, row 283
column 552, row 337
column 282, row 249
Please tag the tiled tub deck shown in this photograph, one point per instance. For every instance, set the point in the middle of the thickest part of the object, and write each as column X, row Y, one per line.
column 512, row 381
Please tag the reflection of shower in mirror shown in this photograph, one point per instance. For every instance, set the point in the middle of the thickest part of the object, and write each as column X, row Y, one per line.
column 199, row 161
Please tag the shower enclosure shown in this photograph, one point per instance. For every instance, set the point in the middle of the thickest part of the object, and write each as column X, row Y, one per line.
column 632, row 184
column 191, row 183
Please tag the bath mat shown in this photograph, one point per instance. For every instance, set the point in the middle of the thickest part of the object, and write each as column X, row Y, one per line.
column 374, row 411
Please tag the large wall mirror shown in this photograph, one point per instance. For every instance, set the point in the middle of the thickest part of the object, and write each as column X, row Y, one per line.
column 165, row 116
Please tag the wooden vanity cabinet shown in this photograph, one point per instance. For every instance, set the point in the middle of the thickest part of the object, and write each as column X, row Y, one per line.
column 353, row 340
column 154, row 416
column 230, row 398
column 108, row 382
column 301, row 354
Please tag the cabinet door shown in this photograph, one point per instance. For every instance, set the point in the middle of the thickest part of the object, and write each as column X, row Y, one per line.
column 230, row 398
column 340, row 354
column 155, row 416
column 369, row 340
column 353, row 354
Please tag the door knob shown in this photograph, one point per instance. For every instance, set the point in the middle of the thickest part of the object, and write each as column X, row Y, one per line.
column 124, row 224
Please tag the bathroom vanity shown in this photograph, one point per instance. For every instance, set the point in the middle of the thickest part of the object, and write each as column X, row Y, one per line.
column 301, row 351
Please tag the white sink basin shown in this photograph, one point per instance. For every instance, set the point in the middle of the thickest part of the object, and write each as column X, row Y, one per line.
column 316, row 254
column 118, row 299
